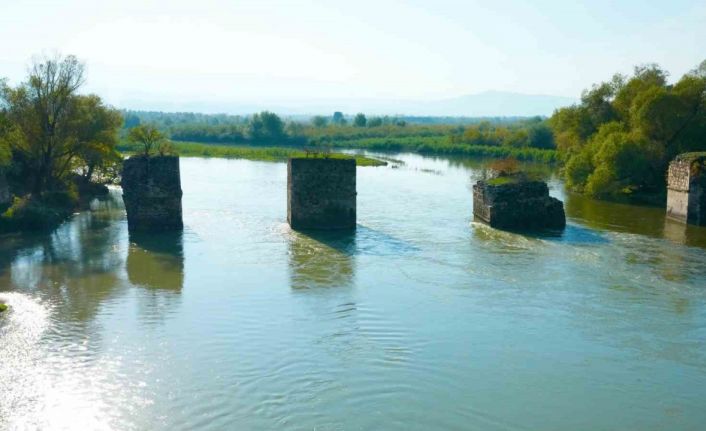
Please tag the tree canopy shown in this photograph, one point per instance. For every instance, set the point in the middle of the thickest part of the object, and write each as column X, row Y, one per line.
column 266, row 126
column 360, row 120
column 51, row 130
column 148, row 138
column 621, row 137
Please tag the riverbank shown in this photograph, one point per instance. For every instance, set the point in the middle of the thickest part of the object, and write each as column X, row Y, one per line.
column 425, row 145
column 254, row 153
column 441, row 146
column 46, row 212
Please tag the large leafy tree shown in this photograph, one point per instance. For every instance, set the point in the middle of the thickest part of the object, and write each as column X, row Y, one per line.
column 96, row 138
column 53, row 130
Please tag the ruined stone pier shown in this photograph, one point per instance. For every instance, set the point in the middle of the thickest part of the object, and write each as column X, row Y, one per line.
column 686, row 189
column 321, row 193
column 152, row 193
column 517, row 205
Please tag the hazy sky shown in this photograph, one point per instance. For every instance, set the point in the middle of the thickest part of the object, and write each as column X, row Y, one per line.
column 269, row 51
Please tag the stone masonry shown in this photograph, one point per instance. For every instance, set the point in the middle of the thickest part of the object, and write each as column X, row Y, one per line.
column 520, row 206
column 686, row 189
column 321, row 193
column 152, row 193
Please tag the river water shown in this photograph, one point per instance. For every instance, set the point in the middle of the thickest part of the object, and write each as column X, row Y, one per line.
column 419, row 320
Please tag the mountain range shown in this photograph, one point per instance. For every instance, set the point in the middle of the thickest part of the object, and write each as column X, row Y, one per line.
column 485, row 104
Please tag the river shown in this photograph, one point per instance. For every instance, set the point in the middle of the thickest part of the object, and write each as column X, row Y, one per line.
column 421, row 319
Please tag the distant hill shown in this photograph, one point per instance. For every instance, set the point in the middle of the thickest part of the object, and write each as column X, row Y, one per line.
column 485, row 104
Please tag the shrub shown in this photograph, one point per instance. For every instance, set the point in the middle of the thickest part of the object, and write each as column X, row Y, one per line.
column 30, row 213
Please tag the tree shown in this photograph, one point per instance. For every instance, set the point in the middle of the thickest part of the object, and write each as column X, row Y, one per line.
column 266, row 126
column 41, row 109
column 294, row 129
column 540, row 136
column 338, row 118
column 375, row 122
column 699, row 71
column 319, row 121
column 131, row 120
column 148, row 137
column 96, row 127
column 621, row 137
column 360, row 120
column 5, row 130
column 54, row 132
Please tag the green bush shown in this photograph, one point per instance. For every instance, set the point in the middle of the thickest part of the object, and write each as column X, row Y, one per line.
column 620, row 139
column 46, row 212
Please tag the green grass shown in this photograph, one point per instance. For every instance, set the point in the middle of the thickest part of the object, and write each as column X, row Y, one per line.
column 265, row 154
column 441, row 145
column 499, row 181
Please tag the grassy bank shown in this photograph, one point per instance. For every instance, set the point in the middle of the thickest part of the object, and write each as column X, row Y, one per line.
column 265, row 154
column 46, row 211
column 440, row 145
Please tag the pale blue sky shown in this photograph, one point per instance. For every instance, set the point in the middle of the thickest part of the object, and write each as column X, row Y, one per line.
column 273, row 51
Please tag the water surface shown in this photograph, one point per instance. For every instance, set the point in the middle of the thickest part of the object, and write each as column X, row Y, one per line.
column 421, row 319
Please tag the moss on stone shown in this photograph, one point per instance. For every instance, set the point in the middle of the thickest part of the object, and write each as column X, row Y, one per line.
column 499, row 181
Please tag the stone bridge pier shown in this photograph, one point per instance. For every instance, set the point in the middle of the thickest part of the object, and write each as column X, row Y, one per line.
column 686, row 189
column 152, row 193
column 321, row 193
column 517, row 206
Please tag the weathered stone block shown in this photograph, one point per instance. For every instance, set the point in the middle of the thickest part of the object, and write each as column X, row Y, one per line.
column 152, row 193
column 522, row 205
column 321, row 193
column 686, row 189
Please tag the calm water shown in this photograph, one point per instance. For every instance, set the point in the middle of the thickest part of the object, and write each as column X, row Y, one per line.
column 420, row 320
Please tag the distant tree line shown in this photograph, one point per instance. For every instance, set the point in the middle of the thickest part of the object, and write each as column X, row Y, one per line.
column 531, row 133
column 267, row 128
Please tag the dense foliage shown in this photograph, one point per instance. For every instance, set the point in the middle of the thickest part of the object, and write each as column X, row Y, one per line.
column 523, row 138
column 150, row 140
column 54, row 142
column 621, row 137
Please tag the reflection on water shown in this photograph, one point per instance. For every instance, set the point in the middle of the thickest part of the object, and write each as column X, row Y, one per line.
column 614, row 216
column 420, row 319
column 640, row 220
column 83, row 255
column 156, row 261
column 322, row 258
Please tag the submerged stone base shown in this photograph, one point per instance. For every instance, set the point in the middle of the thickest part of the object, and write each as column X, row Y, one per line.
column 321, row 193
column 686, row 189
column 152, row 193
column 519, row 206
